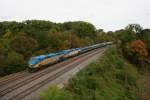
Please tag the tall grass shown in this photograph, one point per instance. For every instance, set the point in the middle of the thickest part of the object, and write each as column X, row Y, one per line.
column 109, row 78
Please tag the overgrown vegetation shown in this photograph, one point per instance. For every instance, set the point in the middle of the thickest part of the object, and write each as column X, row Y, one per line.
column 21, row 40
column 134, row 43
column 109, row 78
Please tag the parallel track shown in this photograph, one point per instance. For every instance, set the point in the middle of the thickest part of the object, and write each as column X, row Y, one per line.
column 12, row 78
column 4, row 91
column 49, row 79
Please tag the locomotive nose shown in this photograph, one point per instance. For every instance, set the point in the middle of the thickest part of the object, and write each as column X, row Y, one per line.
column 30, row 66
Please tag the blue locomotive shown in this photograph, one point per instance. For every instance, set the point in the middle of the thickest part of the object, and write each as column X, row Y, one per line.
column 37, row 62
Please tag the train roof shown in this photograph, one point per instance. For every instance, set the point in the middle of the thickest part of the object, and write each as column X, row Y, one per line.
column 51, row 55
column 40, row 57
column 34, row 60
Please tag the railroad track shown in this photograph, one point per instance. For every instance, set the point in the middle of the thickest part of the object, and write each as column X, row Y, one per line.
column 8, row 79
column 9, row 88
column 6, row 90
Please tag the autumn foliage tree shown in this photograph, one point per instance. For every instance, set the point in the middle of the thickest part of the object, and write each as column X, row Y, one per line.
column 136, row 51
column 134, row 43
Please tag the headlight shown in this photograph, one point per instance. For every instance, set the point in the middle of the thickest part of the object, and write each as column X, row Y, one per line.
column 31, row 66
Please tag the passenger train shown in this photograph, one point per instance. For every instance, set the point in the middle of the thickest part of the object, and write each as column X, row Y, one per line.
column 40, row 61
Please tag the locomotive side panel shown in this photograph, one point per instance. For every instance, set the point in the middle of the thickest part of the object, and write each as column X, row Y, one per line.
column 46, row 61
column 70, row 54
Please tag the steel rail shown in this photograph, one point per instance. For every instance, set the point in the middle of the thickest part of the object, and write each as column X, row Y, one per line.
column 36, row 76
column 26, row 92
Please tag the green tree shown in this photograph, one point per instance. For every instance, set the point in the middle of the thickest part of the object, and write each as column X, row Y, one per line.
column 146, row 38
column 24, row 44
column 81, row 29
column 135, row 28
column 15, row 62
column 125, row 37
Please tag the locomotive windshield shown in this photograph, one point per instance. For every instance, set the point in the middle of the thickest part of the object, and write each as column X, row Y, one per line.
column 32, row 61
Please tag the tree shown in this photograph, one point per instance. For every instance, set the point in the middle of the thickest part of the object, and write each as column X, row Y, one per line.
column 24, row 44
column 103, row 37
column 55, row 40
column 146, row 38
column 74, row 41
column 134, row 28
column 124, row 37
column 15, row 62
column 81, row 29
column 100, row 31
column 2, row 54
column 136, row 52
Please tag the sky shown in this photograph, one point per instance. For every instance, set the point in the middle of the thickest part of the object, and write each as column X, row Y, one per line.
column 109, row 15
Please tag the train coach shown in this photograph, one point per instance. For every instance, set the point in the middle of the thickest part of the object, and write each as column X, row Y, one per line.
column 38, row 62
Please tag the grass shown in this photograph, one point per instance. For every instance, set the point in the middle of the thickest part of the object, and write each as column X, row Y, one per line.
column 109, row 78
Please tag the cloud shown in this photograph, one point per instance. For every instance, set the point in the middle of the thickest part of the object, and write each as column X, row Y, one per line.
column 106, row 14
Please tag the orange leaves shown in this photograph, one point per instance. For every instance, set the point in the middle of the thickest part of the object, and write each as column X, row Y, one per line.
column 136, row 51
column 138, row 46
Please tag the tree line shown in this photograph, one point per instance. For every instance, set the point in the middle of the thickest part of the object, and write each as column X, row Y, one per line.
column 21, row 40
